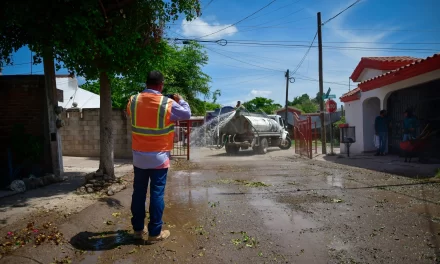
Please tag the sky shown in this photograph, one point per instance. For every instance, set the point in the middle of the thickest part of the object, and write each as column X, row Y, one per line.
column 262, row 46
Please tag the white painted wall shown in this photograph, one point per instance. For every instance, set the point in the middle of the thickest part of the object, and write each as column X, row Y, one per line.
column 371, row 109
column 354, row 110
column 369, row 73
column 353, row 116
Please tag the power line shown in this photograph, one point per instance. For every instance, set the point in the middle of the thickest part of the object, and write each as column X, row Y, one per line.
column 280, row 18
column 305, row 55
column 392, row 30
column 206, row 6
column 265, row 14
column 238, row 21
column 338, row 42
column 232, row 58
column 328, row 47
column 307, row 78
column 246, row 81
column 350, row 6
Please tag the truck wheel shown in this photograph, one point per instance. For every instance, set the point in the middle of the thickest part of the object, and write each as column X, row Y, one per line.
column 263, row 146
column 232, row 150
column 286, row 144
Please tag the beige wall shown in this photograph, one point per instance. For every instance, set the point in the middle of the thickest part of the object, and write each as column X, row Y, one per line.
column 80, row 134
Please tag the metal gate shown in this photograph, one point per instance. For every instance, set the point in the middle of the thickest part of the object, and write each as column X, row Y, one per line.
column 303, row 136
column 181, row 147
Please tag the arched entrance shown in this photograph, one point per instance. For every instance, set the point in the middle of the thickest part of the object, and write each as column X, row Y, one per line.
column 370, row 110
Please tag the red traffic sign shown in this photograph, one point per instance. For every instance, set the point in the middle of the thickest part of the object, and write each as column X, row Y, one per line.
column 331, row 106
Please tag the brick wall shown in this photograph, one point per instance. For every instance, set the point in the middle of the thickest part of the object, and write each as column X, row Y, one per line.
column 22, row 100
column 80, row 135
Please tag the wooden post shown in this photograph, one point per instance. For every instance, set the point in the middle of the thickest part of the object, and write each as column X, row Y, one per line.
column 321, row 87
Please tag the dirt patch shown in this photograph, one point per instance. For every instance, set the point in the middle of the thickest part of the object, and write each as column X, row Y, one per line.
column 243, row 182
column 183, row 164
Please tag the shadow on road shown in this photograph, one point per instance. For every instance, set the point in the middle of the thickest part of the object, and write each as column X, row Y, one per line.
column 242, row 153
column 389, row 164
column 91, row 241
column 111, row 202
column 21, row 200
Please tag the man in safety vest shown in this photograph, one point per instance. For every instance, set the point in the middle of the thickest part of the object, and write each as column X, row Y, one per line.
column 152, row 120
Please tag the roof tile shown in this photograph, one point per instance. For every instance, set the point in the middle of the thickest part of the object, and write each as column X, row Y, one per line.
column 415, row 62
column 352, row 92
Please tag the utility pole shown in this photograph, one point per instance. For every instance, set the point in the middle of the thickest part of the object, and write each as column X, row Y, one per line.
column 287, row 93
column 321, row 87
column 288, row 80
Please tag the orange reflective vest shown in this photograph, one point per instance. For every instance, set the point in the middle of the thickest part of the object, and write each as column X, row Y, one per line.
column 152, row 129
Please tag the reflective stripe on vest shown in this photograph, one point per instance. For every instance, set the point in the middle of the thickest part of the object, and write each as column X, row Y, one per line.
column 161, row 129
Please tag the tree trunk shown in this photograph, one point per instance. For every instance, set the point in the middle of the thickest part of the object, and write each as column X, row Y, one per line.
column 106, row 162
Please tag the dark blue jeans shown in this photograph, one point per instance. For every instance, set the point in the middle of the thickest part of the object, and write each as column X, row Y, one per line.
column 382, row 142
column 158, row 178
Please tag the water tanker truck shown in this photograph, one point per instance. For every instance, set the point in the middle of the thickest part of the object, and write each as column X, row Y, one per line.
column 243, row 130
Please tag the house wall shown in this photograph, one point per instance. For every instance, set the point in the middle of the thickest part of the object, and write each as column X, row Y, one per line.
column 369, row 73
column 80, row 135
column 22, row 102
column 353, row 116
column 370, row 110
column 354, row 109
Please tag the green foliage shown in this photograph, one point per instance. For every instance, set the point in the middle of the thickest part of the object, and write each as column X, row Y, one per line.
column 122, row 89
column 261, row 104
column 305, row 104
column 90, row 37
column 215, row 95
column 341, row 121
column 182, row 68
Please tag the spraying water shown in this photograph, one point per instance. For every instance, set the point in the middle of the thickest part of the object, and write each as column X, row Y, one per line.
column 207, row 135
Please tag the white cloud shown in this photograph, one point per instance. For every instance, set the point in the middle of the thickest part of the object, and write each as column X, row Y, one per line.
column 260, row 93
column 200, row 28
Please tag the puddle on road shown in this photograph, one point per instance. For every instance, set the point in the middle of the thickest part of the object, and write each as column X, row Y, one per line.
column 278, row 218
column 185, row 201
column 335, row 181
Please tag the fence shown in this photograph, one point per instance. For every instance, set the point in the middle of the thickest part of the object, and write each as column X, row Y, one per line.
column 80, row 135
column 303, row 136
column 182, row 131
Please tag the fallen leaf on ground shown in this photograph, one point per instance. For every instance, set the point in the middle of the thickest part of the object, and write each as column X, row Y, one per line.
column 336, row 200
column 109, row 222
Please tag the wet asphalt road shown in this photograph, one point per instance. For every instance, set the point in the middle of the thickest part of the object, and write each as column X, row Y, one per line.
column 274, row 208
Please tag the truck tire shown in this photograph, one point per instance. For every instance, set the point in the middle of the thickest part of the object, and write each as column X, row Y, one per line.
column 287, row 144
column 231, row 149
column 262, row 149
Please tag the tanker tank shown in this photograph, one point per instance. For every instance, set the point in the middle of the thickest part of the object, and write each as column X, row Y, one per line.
column 243, row 124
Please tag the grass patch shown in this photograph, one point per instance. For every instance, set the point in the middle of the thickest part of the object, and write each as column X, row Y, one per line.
column 437, row 173
column 245, row 240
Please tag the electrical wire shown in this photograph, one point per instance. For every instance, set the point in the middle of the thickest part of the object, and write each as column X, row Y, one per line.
column 246, row 81
column 391, row 30
column 338, row 42
column 232, row 58
column 265, row 14
column 335, row 16
column 280, row 18
column 206, row 6
column 210, row 34
column 250, row 44
column 305, row 55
